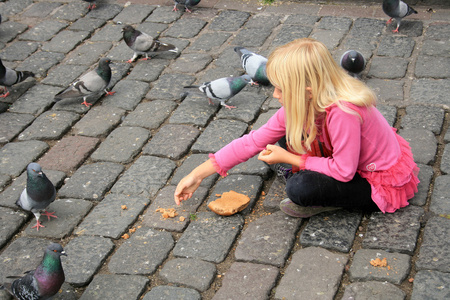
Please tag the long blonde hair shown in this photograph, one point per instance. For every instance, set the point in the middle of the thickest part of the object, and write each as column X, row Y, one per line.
column 306, row 63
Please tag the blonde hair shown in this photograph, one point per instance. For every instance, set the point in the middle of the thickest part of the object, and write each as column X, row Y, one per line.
column 306, row 63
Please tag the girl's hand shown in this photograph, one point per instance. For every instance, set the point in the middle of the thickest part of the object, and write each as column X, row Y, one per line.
column 185, row 188
column 273, row 155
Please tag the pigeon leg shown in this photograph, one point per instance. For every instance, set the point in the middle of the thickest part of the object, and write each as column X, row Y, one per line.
column 227, row 106
column 389, row 21
column 86, row 103
column 133, row 58
column 5, row 94
column 108, row 93
column 49, row 214
column 175, row 8
column 92, row 6
column 38, row 225
column 254, row 83
column 188, row 10
column 210, row 101
column 395, row 31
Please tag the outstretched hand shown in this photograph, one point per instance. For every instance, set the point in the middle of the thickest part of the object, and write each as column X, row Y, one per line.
column 185, row 188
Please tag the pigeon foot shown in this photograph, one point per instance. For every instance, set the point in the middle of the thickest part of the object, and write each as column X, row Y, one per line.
column 38, row 224
column 86, row 103
column 395, row 31
column 229, row 106
column 175, row 8
column 5, row 95
column 49, row 214
column 389, row 21
column 110, row 93
column 130, row 61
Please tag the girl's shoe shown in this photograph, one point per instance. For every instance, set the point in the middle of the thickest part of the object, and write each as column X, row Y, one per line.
column 297, row 211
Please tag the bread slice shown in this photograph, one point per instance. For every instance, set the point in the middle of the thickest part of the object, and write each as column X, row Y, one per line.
column 229, row 204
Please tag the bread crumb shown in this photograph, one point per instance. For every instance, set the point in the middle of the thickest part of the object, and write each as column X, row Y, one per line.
column 377, row 262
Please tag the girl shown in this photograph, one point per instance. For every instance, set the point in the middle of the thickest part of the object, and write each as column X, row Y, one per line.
column 343, row 152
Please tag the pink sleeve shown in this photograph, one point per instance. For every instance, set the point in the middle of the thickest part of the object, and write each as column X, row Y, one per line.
column 345, row 135
column 247, row 146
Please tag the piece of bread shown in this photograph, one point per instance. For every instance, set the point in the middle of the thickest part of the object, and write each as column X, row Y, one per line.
column 229, row 204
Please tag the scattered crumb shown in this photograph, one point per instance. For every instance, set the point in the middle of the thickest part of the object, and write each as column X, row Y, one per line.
column 167, row 212
column 132, row 230
column 124, row 207
column 126, row 236
column 182, row 218
column 377, row 262
column 411, row 279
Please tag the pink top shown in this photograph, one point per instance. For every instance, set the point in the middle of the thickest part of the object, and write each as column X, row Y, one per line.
column 368, row 146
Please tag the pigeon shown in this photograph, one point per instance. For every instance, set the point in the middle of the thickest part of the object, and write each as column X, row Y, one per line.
column 43, row 282
column 254, row 65
column 38, row 194
column 91, row 6
column 353, row 62
column 188, row 4
column 91, row 83
column 223, row 88
column 397, row 9
column 142, row 43
column 9, row 77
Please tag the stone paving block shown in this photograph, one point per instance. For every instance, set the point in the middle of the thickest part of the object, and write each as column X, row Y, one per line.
column 121, row 52
column 87, row 24
column 262, row 243
column 361, row 269
column 118, row 70
column 17, row 155
column 172, row 292
column 209, row 41
column 209, row 237
column 445, row 160
column 69, row 153
column 426, row 117
column 12, row 193
column 41, row 9
column 430, row 285
column 263, row 118
column 434, row 251
column 432, row 66
column 409, row 28
column 109, row 219
column 368, row 28
column 51, row 125
column 86, row 255
column 373, row 290
column 439, row 198
column 304, row 19
column 69, row 211
column 249, row 185
column 247, row 281
column 11, row 124
column 396, row 46
column 88, row 54
column 64, row 75
column 228, row 59
column 423, row 144
column 430, row 91
column 19, row 50
column 191, row 63
column 35, row 100
column 4, row 181
column 71, row 11
column 425, row 176
column 363, row 45
column 10, row 222
column 91, row 181
column 330, row 38
column 40, row 62
column 185, row 210
column 334, row 23
column 134, row 14
column 120, row 287
column 394, row 232
column 108, row 33
column 437, row 31
column 192, row 273
column 105, row 11
column 9, row 30
column 23, row 254
column 229, row 20
column 388, row 67
column 193, row 110
column 15, row 7
column 251, row 37
column 436, row 48
column 159, row 110
column 312, row 272
column 188, row 165
column 163, row 14
column 277, row 192
column 289, row 33
column 148, row 70
column 247, row 105
column 152, row 29
column 253, row 166
column 331, row 230
column 43, row 31
column 171, row 141
column 145, row 177
column 122, row 145
column 65, row 41
column 99, row 121
column 170, row 86
column 143, row 253
column 218, row 134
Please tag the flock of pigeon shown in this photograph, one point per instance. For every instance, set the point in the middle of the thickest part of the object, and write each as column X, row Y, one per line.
column 48, row 277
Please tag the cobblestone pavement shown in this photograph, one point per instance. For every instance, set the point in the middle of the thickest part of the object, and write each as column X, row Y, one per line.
column 116, row 163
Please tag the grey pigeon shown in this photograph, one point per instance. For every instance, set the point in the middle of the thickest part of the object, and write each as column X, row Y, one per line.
column 223, row 88
column 91, row 83
column 254, row 65
column 38, row 194
column 188, row 4
column 91, row 6
column 9, row 77
column 43, row 282
column 397, row 9
column 143, row 44
column 353, row 62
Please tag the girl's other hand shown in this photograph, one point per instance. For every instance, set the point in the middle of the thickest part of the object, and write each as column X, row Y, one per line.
column 273, row 154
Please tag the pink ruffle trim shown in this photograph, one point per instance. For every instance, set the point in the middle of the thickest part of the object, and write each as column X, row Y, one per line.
column 391, row 189
column 216, row 165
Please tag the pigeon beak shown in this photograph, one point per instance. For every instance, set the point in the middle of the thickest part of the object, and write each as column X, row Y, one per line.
column 63, row 253
column 353, row 59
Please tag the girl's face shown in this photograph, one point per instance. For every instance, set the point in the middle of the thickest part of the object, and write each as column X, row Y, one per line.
column 277, row 94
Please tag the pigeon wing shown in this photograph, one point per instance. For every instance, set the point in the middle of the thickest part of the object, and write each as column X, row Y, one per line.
column 88, row 84
column 143, row 43
column 218, row 89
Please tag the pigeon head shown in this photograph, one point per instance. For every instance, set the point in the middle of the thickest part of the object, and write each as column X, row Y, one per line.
column 246, row 78
column 55, row 249
column 128, row 28
column 34, row 170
